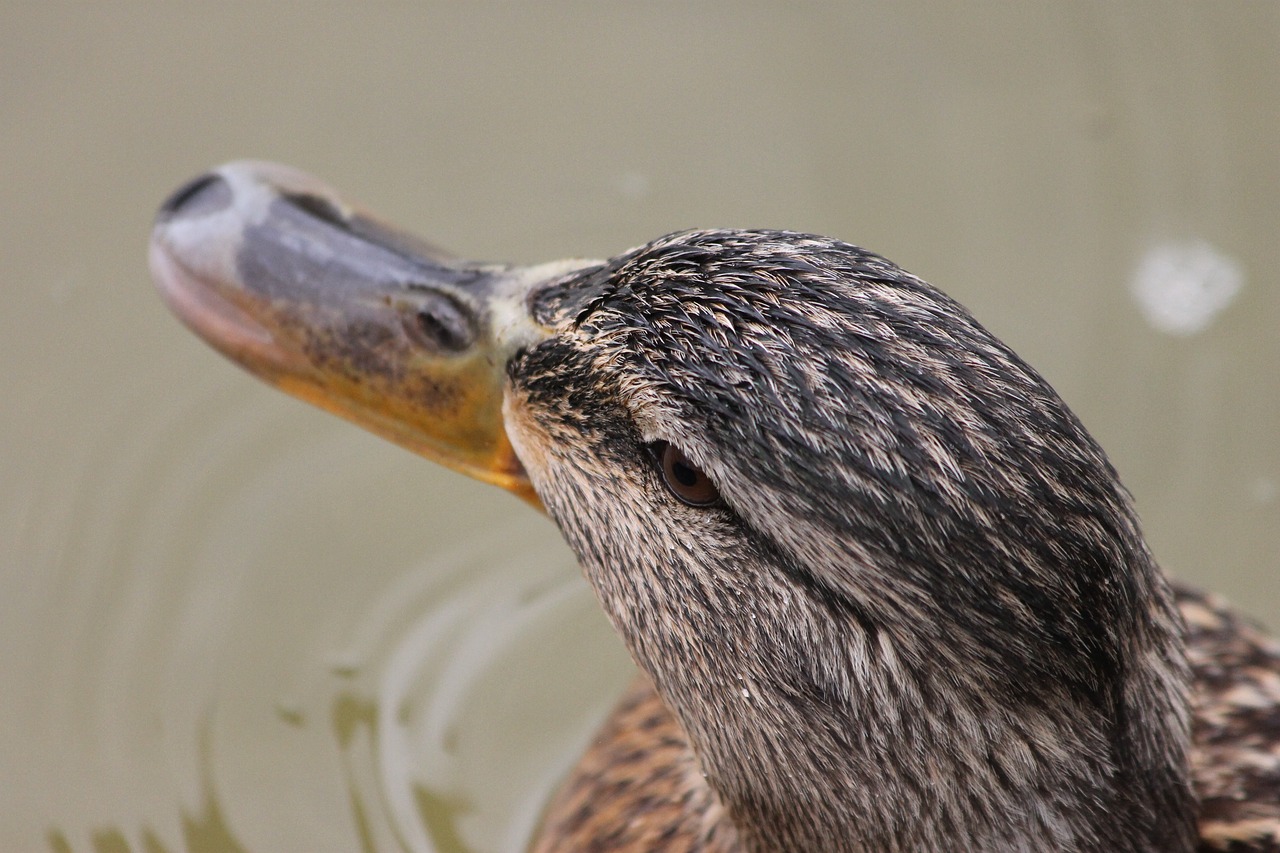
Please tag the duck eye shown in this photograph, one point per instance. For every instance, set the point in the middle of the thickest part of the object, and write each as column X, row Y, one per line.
column 685, row 480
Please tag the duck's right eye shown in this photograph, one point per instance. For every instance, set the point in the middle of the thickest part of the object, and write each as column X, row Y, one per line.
column 686, row 481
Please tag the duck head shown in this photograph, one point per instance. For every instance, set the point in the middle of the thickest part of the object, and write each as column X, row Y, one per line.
column 887, row 583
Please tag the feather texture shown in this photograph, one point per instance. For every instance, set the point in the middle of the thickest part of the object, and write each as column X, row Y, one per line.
column 638, row 787
column 923, row 613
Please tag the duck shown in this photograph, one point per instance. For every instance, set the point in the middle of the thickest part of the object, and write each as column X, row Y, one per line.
column 883, row 589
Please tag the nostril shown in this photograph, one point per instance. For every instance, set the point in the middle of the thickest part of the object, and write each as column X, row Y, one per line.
column 441, row 325
column 206, row 194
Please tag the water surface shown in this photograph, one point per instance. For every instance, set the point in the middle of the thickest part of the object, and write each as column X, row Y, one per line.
column 231, row 623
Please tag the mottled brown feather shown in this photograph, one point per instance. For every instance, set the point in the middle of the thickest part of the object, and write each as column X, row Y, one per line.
column 639, row 787
column 1235, row 756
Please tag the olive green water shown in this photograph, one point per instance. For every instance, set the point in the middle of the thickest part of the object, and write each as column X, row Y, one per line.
column 231, row 623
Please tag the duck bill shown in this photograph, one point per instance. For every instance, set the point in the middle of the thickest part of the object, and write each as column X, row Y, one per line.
column 274, row 271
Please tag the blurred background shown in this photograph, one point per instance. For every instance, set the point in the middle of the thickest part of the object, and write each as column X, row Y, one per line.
column 231, row 623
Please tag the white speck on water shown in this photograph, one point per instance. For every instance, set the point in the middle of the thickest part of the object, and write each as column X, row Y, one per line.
column 1265, row 490
column 632, row 185
column 1182, row 286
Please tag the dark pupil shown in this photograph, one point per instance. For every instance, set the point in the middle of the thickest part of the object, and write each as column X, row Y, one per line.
column 684, row 479
column 682, row 472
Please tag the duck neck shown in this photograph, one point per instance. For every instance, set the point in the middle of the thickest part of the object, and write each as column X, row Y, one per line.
column 820, row 733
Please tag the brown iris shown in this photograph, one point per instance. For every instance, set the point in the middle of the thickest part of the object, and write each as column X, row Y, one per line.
column 685, row 480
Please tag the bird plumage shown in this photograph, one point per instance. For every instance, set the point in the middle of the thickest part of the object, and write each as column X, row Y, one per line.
column 908, row 606
column 924, row 569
